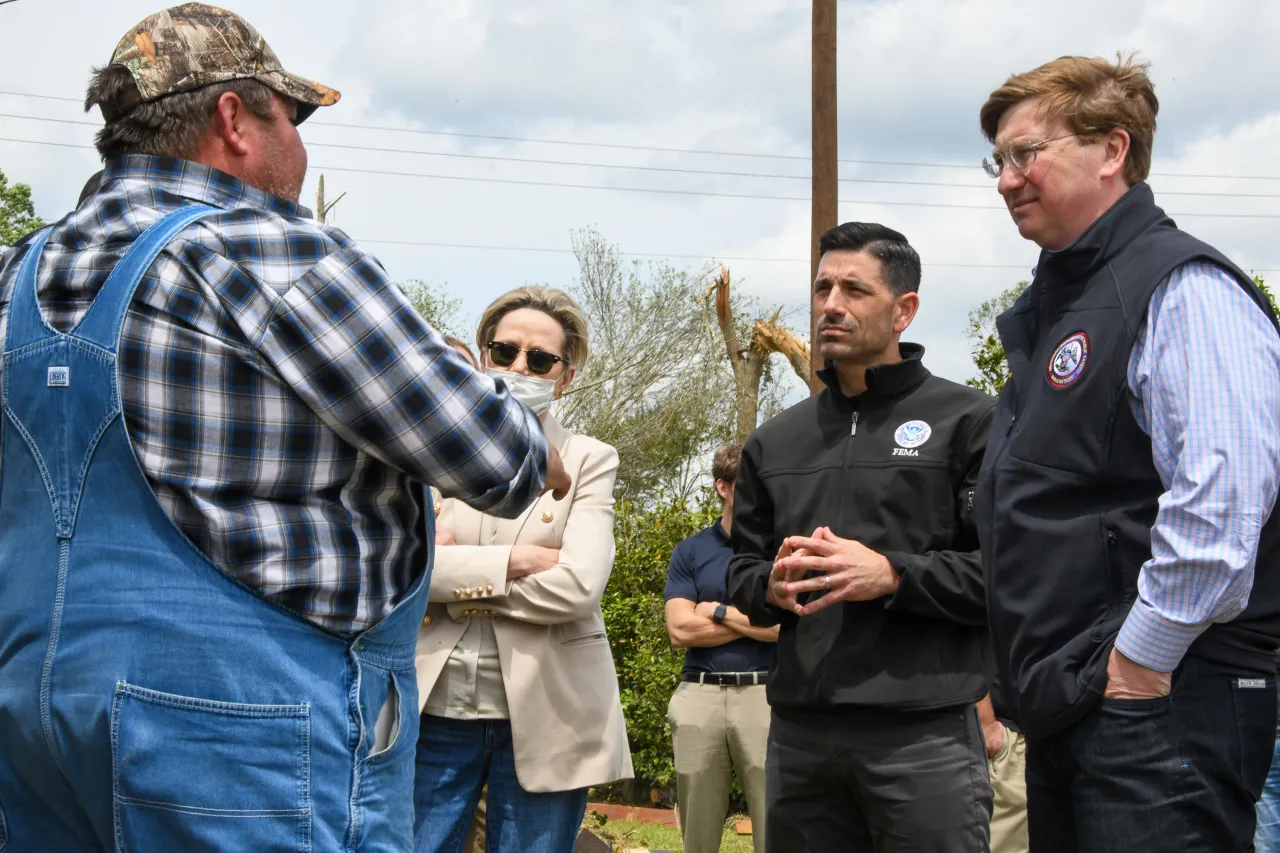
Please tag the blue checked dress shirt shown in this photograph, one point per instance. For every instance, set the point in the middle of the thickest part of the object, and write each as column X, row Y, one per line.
column 282, row 396
column 1205, row 380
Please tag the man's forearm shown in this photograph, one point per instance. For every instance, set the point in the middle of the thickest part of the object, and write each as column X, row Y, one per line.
column 698, row 632
column 738, row 622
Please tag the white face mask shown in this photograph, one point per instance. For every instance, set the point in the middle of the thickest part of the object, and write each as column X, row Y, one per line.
column 534, row 391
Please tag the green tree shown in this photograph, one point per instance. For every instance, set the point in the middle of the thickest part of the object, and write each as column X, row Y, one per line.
column 985, row 346
column 648, row 667
column 17, row 214
column 984, row 341
column 437, row 307
column 1262, row 285
column 657, row 385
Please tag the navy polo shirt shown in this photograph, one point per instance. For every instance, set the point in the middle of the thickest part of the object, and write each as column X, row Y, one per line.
column 699, row 571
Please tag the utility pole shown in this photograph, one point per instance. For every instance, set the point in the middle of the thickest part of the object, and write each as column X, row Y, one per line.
column 824, row 213
column 322, row 209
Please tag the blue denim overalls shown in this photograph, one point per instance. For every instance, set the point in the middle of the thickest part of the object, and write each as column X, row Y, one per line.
column 148, row 702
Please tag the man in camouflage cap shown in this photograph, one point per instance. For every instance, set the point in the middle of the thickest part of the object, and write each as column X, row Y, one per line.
column 214, row 536
column 194, row 45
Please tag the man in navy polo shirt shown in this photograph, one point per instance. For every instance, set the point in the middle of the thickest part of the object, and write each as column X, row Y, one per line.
column 719, row 714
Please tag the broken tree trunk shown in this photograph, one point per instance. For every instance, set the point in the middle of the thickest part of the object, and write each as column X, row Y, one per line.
column 769, row 334
column 747, row 362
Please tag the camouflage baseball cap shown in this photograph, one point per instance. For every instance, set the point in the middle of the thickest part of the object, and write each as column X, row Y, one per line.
column 195, row 45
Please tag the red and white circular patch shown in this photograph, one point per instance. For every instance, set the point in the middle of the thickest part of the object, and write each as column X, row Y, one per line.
column 1068, row 361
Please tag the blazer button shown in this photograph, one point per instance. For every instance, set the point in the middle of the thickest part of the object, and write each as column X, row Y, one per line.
column 437, row 510
column 457, row 593
column 426, row 621
column 548, row 517
column 489, row 589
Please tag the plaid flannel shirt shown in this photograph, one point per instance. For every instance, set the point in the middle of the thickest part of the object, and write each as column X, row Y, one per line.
column 282, row 396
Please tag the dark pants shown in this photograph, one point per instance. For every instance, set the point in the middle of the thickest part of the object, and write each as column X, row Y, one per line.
column 876, row 780
column 1176, row 774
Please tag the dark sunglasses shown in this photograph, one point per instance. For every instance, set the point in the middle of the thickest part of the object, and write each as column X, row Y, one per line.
column 505, row 354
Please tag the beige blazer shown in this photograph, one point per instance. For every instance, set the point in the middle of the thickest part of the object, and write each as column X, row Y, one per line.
column 566, row 715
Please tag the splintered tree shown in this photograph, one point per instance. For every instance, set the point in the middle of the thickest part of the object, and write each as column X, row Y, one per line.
column 749, row 362
column 654, row 386
column 322, row 209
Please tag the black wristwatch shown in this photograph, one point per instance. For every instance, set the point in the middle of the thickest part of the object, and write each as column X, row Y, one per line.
column 718, row 616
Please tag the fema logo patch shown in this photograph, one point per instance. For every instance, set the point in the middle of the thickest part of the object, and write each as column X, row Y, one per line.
column 1068, row 361
column 912, row 434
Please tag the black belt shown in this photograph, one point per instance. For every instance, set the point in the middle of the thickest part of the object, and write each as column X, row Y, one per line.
column 727, row 679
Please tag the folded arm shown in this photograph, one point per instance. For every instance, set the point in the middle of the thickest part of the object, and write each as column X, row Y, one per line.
column 572, row 589
column 689, row 629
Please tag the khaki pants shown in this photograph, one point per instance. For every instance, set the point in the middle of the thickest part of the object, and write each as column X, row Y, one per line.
column 1007, row 771
column 717, row 730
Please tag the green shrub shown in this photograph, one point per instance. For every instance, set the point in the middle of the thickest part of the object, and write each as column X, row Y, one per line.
column 648, row 668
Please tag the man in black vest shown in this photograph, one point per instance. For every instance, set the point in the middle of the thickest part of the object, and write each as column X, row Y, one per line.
column 1125, row 505
column 853, row 530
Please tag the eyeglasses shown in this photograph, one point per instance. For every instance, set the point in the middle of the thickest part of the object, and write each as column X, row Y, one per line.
column 540, row 363
column 1021, row 155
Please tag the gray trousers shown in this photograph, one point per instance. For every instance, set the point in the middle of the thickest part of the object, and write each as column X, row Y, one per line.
column 877, row 781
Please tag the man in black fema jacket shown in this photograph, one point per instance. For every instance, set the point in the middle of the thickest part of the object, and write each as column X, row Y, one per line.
column 852, row 530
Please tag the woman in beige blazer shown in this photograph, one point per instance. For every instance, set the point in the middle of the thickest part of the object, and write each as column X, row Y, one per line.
column 515, row 675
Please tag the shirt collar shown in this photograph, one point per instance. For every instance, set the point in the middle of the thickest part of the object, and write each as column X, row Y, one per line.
column 717, row 530
column 195, row 182
column 884, row 380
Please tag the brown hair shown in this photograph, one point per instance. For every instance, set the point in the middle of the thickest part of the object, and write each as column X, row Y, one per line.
column 462, row 348
column 172, row 126
column 1093, row 97
column 556, row 304
column 724, row 465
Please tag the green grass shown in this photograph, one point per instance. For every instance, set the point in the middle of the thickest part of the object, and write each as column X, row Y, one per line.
column 626, row 834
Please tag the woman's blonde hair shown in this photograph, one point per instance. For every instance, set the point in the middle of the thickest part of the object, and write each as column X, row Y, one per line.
column 556, row 304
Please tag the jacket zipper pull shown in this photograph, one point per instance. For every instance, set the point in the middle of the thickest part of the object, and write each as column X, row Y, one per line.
column 855, row 424
column 1012, row 420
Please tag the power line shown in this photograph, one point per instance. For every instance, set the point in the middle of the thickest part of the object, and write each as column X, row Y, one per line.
column 669, row 255
column 662, row 191
column 710, row 256
column 543, row 249
column 988, row 187
column 623, row 147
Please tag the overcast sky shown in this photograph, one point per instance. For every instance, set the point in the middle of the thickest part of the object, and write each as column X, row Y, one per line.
column 710, row 75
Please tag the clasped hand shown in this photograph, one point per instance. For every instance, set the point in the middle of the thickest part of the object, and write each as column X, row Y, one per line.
column 848, row 571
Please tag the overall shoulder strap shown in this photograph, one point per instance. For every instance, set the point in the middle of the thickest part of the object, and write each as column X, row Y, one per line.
column 25, row 325
column 101, row 325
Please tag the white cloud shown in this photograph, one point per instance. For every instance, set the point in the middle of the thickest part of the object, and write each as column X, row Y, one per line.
column 710, row 74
